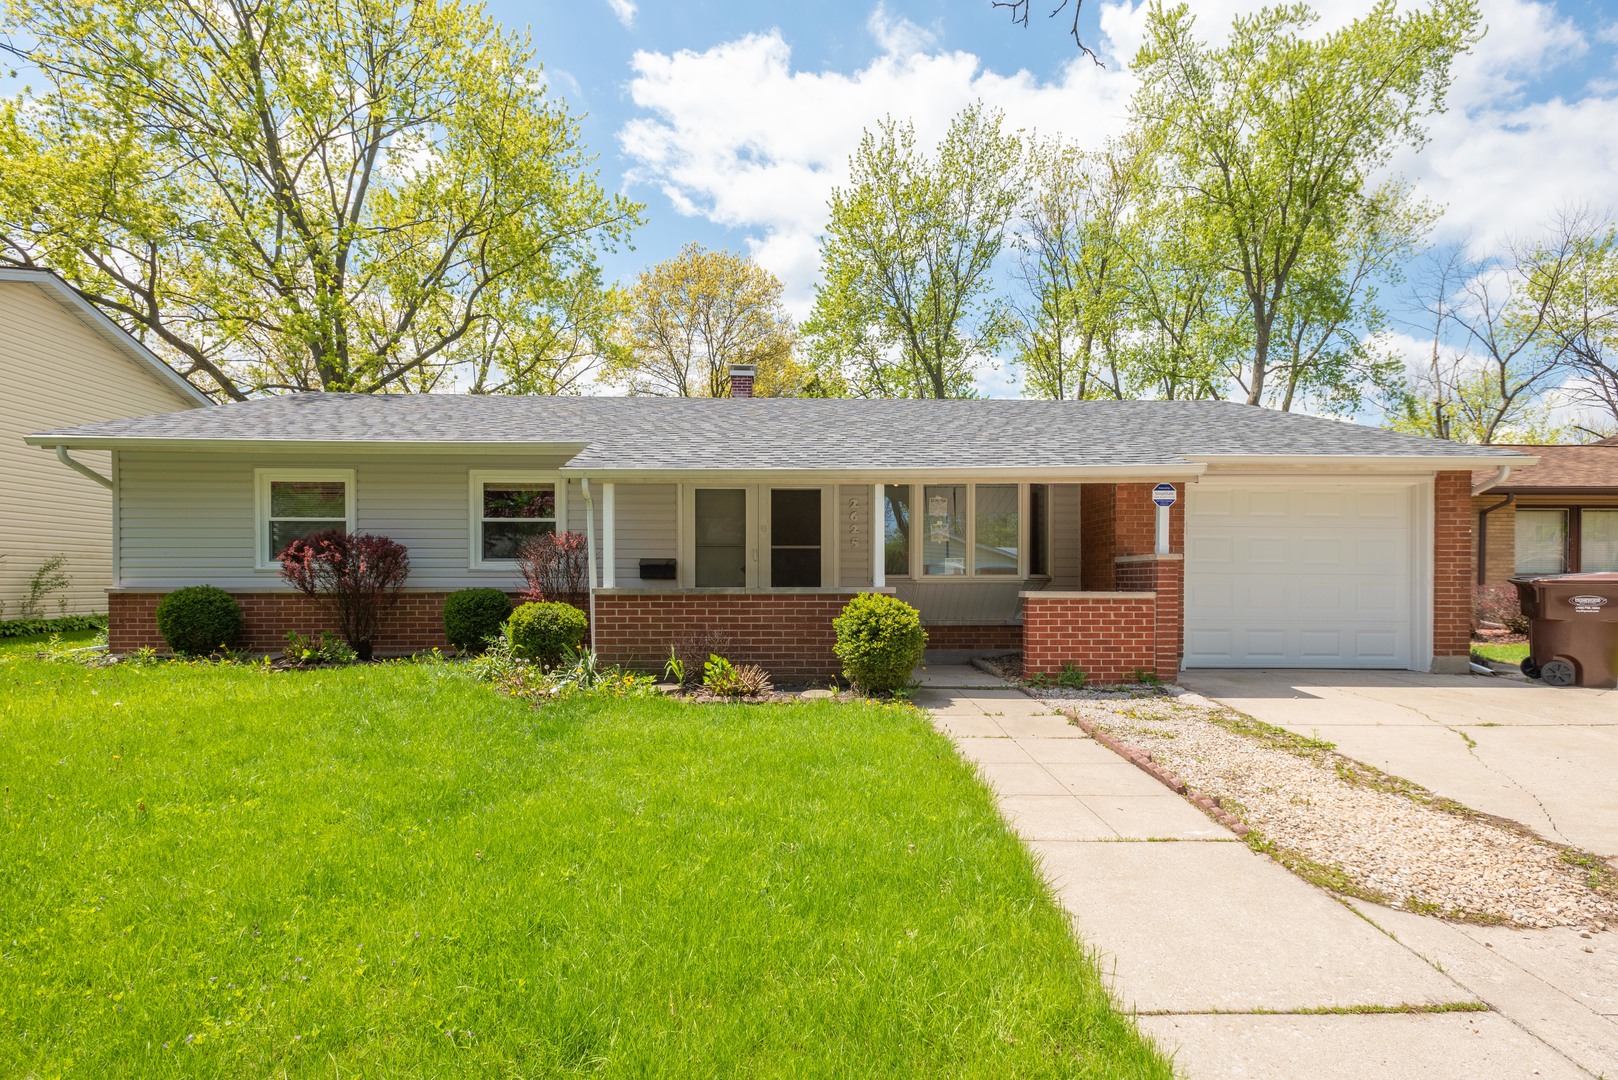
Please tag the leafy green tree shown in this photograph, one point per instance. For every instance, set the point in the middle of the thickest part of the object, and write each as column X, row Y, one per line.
column 364, row 195
column 1267, row 147
column 689, row 318
column 1584, row 319
column 1504, row 339
column 1073, row 240
column 906, row 306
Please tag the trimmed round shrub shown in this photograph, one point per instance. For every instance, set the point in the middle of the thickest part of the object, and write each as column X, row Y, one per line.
column 199, row 619
column 879, row 641
column 546, row 632
column 472, row 616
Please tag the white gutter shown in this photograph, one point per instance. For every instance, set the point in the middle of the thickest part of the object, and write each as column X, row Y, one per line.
column 1498, row 478
column 82, row 469
column 590, row 553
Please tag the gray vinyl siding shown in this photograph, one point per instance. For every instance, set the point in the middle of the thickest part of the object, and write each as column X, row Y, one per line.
column 647, row 518
column 56, row 372
column 963, row 602
column 189, row 518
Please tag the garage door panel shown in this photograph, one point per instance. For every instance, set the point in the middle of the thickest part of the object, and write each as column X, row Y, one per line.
column 1313, row 576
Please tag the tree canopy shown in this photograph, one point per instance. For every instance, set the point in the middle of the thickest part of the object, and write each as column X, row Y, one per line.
column 365, row 195
column 686, row 320
column 907, row 304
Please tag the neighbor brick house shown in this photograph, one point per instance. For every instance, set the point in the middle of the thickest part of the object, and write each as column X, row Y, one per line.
column 1292, row 540
column 1557, row 516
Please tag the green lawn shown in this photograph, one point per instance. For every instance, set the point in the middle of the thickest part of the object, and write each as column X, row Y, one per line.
column 1502, row 654
column 394, row 870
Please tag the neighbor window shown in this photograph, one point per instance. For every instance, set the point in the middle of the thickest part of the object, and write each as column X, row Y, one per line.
column 1541, row 541
column 296, row 504
column 508, row 511
column 1598, row 541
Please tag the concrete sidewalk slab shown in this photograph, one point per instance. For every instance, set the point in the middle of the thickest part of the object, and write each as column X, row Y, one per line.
column 1161, row 815
column 1066, row 751
column 1021, row 779
column 1541, row 979
column 1189, row 927
column 1447, row 1046
column 985, row 751
column 1113, row 778
column 1039, row 727
column 958, row 675
column 1053, row 817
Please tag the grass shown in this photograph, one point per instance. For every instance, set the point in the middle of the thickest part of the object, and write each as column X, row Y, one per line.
column 393, row 870
column 1501, row 654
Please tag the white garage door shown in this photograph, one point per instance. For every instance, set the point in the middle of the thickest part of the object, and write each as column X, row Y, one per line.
column 1305, row 576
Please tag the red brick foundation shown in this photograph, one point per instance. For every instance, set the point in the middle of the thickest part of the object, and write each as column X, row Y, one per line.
column 788, row 634
column 987, row 637
column 413, row 624
column 1112, row 636
column 1454, row 569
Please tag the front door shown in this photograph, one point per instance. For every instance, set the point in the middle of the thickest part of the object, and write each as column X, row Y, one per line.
column 758, row 537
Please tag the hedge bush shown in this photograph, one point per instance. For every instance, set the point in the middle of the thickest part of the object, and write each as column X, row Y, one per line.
column 65, row 625
column 199, row 619
column 472, row 616
column 546, row 632
column 879, row 641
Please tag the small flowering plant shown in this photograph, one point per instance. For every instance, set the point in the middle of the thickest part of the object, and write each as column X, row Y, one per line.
column 356, row 577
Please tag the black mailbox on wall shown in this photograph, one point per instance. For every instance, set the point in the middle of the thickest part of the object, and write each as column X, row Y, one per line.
column 657, row 569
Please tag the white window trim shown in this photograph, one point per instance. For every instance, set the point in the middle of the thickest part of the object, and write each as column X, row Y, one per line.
column 475, row 479
column 262, row 478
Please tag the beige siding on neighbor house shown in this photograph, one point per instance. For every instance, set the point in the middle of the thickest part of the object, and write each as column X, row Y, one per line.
column 56, row 372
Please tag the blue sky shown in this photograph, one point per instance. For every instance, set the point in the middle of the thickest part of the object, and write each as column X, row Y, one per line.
column 731, row 121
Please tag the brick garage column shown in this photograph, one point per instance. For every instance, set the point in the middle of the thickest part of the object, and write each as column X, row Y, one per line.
column 1454, row 570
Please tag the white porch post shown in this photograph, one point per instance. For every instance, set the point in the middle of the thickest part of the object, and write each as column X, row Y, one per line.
column 879, row 555
column 609, row 537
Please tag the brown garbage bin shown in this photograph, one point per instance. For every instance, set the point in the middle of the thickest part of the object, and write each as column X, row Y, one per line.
column 1572, row 628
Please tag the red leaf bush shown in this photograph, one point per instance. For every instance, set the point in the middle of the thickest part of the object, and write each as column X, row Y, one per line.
column 555, row 567
column 355, row 577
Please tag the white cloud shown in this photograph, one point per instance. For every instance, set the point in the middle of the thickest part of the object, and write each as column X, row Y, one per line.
column 736, row 135
column 624, row 10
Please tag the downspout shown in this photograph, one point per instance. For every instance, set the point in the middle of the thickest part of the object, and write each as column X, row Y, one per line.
column 1492, row 482
column 81, row 468
column 1483, row 535
column 590, row 553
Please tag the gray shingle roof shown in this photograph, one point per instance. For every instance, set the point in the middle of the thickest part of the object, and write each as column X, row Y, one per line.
column 645, row 433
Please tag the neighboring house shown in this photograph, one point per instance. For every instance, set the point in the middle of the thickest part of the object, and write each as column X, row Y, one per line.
column 63, row 362
column 1294, row 540
column 1559, row 516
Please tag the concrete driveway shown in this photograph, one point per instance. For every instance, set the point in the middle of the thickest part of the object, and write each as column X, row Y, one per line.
column 1544, row 757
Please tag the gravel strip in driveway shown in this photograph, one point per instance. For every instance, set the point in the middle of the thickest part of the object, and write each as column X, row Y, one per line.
column 1351, row 828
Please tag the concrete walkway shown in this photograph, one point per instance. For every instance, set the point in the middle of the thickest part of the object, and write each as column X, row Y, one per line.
column 1227, row 958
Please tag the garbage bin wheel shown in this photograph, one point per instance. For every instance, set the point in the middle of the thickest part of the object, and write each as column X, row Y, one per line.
column 1559, row 673
column 1529, row 668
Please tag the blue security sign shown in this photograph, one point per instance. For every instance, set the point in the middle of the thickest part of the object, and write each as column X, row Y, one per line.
column 1163, row 495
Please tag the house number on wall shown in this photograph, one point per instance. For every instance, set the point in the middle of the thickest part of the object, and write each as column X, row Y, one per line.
column 855, row 530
